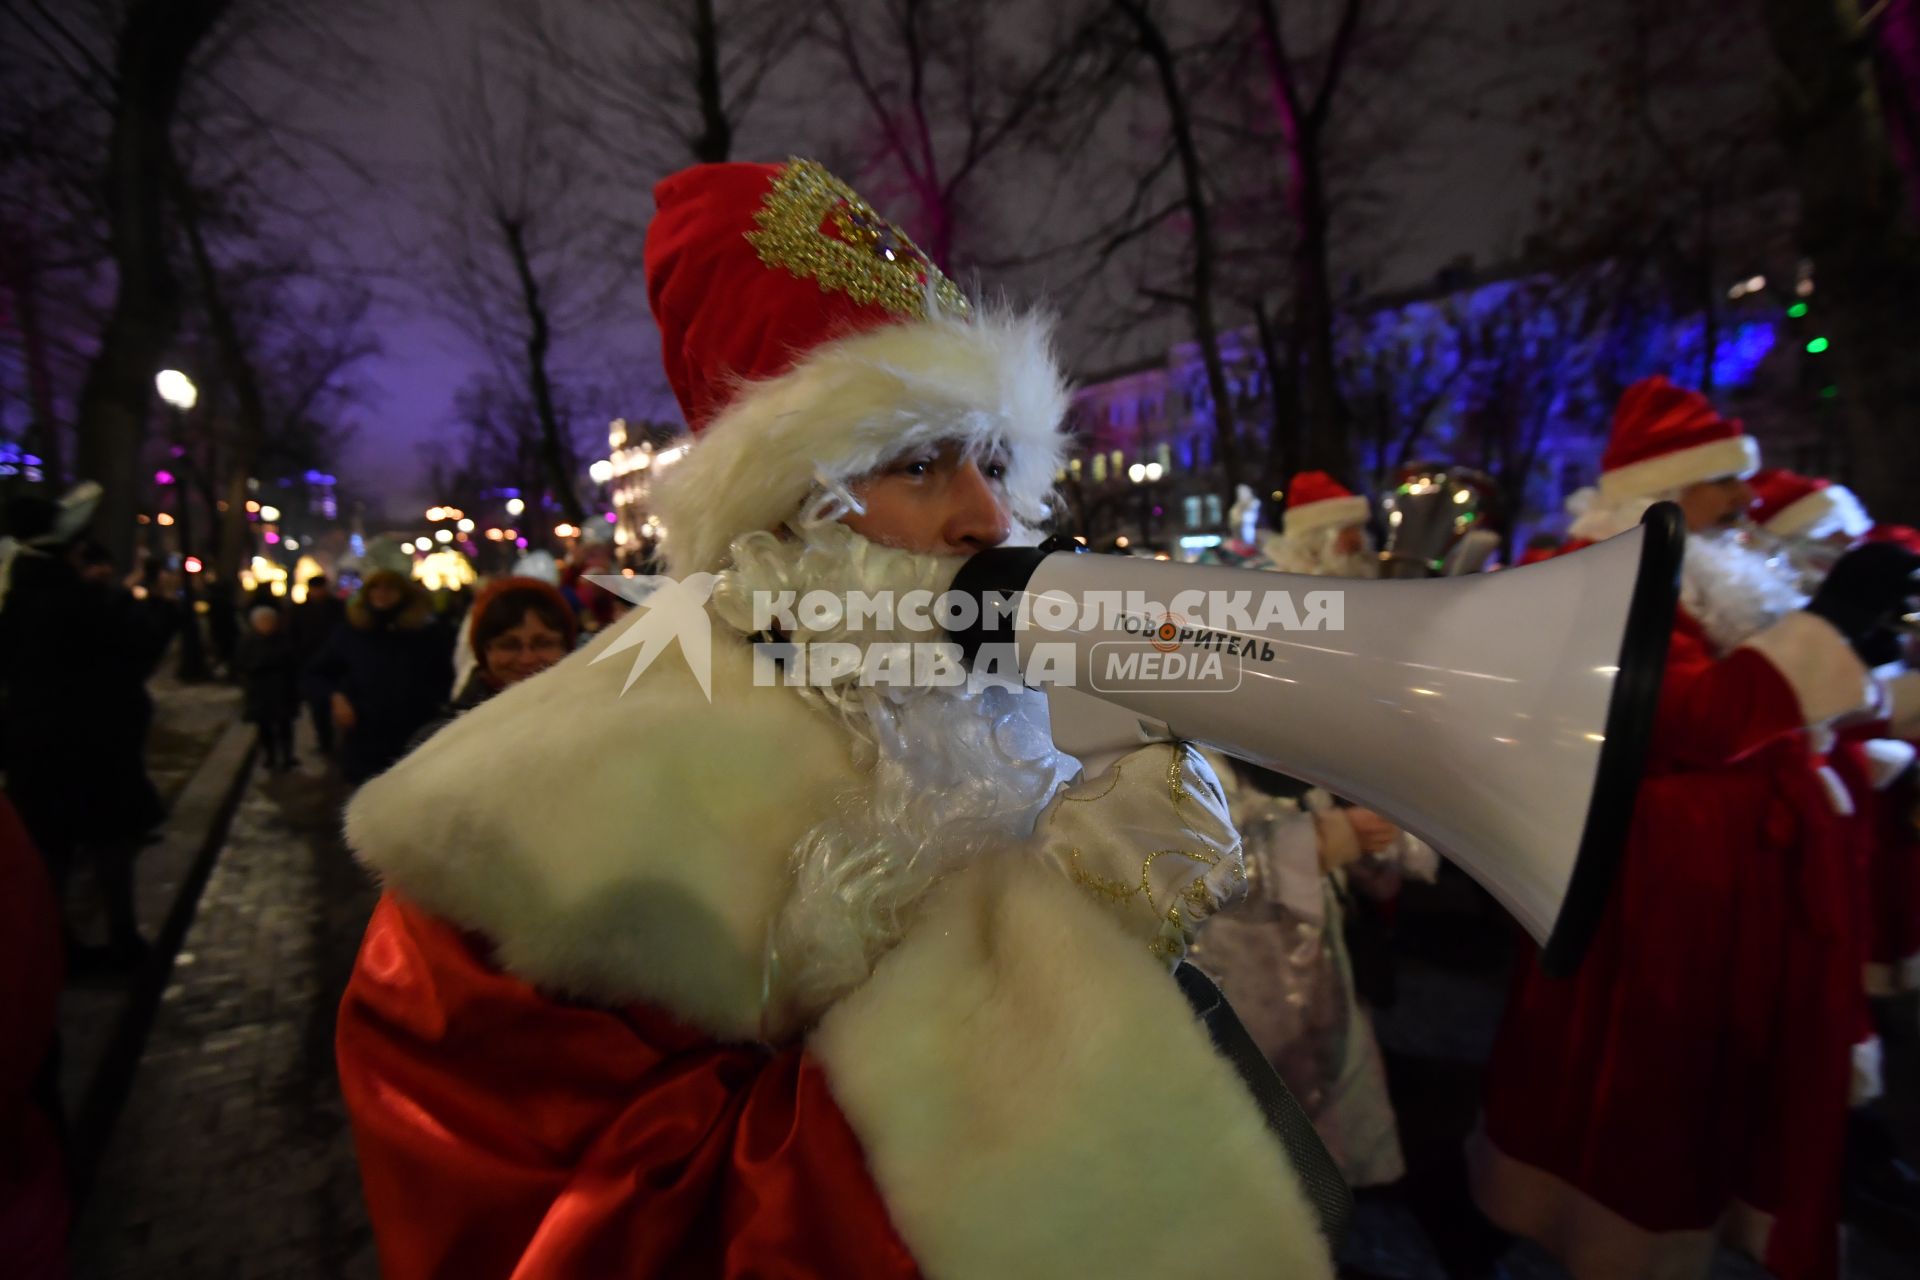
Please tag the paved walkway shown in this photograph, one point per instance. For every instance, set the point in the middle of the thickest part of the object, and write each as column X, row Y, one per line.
column 232, row 1157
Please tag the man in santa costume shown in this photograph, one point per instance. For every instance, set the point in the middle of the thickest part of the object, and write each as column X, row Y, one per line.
column 1324, row 530
column 1691, row 1081
column 1811, row 520
column 726, row 978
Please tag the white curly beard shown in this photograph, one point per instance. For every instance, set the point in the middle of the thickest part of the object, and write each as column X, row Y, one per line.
column 1313, row 553
column 951, row 774
column 1732, row 588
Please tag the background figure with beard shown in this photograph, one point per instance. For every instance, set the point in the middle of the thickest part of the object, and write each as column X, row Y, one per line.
column 1807, row 521
column 1692, row 1079
column 74, row 660
column 1281, row 954
column 1324, row 531
column 269, row 680
column 716, row 975
column 384, row 673
column 311, row 624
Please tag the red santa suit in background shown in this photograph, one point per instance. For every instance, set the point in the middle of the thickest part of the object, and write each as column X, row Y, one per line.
column 1894, row 966
column 690, row 973
column 1690, row 1082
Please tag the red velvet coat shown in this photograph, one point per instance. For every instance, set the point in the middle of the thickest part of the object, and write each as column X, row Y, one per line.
column 1692, row 1077
column 585, row 1141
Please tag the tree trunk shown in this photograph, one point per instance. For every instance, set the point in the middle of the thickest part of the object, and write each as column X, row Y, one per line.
column 1153, row 43
column 1283, row 398
column 234, row 546
column 1897, row 59
column 715, row 143
column 1862, row 238
column 554, row 448
column 1327, row 420
column 154, row 46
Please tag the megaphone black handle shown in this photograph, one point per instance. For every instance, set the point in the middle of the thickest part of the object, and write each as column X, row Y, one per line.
column 1005, row 570
column 1623, row 756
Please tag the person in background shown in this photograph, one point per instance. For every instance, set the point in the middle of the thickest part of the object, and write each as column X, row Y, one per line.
column 223, row 617
column 73, row 672
column 1691, row 1079
column 518, row 627
column 312, row 624
column 268, row 670
column 384, row 673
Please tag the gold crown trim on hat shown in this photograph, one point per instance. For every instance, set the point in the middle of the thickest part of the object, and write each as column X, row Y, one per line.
column 872, row 261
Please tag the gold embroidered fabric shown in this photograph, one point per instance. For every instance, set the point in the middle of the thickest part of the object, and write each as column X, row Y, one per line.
column 866, row 257
column 1152, row 841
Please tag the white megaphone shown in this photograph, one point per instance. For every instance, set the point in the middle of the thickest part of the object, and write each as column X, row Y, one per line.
column 1501, row 717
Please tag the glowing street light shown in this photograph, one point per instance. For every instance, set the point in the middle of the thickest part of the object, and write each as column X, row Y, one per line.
column 176, row 388
column 465, row 525
column 515, row 506
column 1154, row 471
column 1137, row 472
column 436, row 513
column 601, row 471
column 423, row 544
column 269, row 514
column 443, row 535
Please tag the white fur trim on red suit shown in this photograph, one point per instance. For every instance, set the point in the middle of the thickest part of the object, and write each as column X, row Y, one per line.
column 1714, row 460
column 1902, row 694
column 1833, row 509
column 1591, row 1240
column 1887, row 759
column 614, row 847
column 1352, row 509
column 850, row 407
column 1825, row 674
column 1036, row 1100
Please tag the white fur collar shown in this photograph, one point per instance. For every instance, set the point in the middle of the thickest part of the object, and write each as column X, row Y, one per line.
column 615, row 848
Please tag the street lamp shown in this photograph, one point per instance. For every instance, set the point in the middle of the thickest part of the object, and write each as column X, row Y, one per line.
column 177, row 389
column 269, row 514
column 515, row 506
column 601, row 471
column 180, row 395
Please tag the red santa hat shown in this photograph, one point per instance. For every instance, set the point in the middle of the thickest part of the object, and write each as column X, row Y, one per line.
column 1315, row 500
column 1790, row 505
column 1904, row 535
column 809, row 342
column 1667, row 437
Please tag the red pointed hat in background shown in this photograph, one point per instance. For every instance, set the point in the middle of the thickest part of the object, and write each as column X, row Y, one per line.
column 1315, row 500
column 1667, row 437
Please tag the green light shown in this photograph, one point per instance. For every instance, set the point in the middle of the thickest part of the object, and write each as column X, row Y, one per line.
column 1797, row 310
column 1815, row 347
column 1829, row 392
